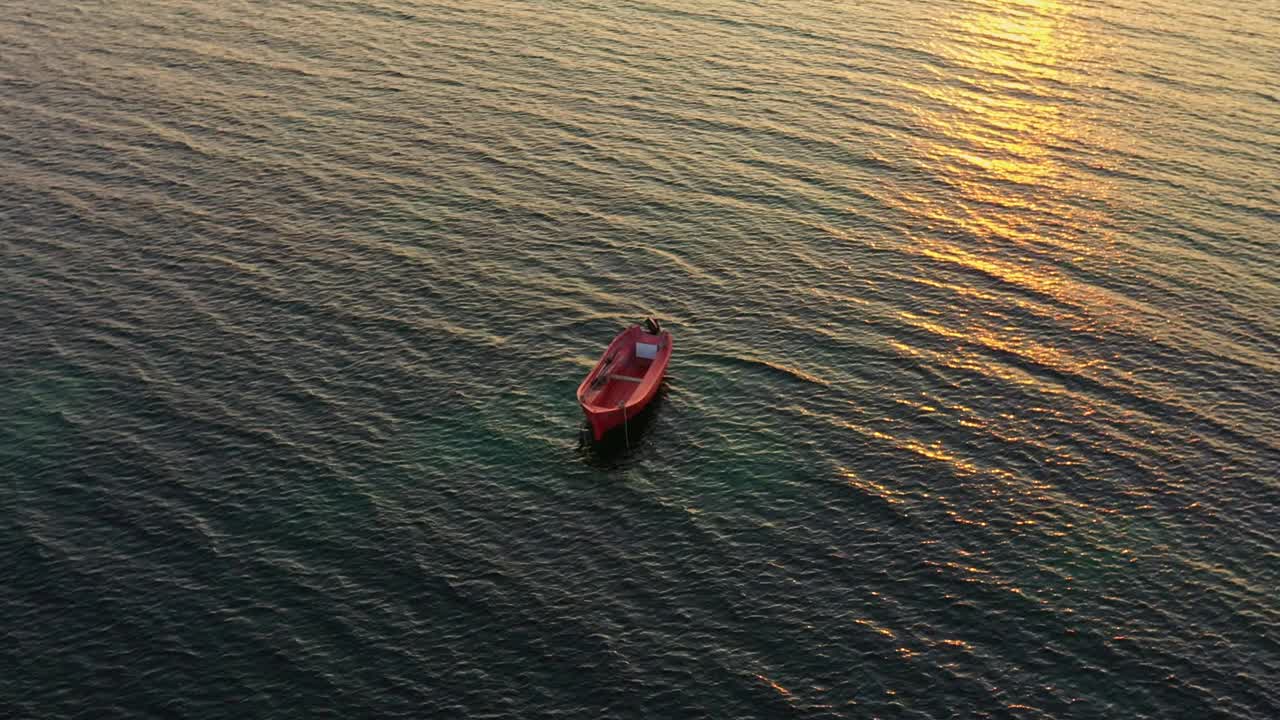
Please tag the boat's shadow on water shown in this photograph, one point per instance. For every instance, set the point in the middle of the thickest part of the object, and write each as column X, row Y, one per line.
column 623, row 441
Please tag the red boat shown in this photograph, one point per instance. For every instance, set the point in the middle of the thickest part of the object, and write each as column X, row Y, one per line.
column 626, row 378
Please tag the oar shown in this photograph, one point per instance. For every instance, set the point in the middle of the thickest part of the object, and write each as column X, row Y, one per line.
column 603, row 375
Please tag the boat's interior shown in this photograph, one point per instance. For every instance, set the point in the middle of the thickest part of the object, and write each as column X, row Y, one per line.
column 624, row 373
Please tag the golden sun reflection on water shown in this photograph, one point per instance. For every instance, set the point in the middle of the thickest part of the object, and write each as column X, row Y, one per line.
column 1012, row 208
column 993, row 123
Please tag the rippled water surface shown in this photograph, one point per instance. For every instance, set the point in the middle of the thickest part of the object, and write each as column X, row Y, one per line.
column 973, row 410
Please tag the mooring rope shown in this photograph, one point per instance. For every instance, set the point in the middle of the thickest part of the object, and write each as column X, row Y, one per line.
column 626, row 431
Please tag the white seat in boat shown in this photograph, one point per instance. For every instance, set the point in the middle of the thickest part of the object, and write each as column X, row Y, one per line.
column 646, row 351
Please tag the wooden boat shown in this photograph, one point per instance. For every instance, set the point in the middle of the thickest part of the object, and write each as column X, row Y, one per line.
column 626, row 378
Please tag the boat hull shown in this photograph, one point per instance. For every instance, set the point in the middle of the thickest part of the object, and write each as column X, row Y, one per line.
column 602, row 422
column 625, row 379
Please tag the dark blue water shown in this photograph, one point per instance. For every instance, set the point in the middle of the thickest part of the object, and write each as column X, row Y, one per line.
column 973, row 411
